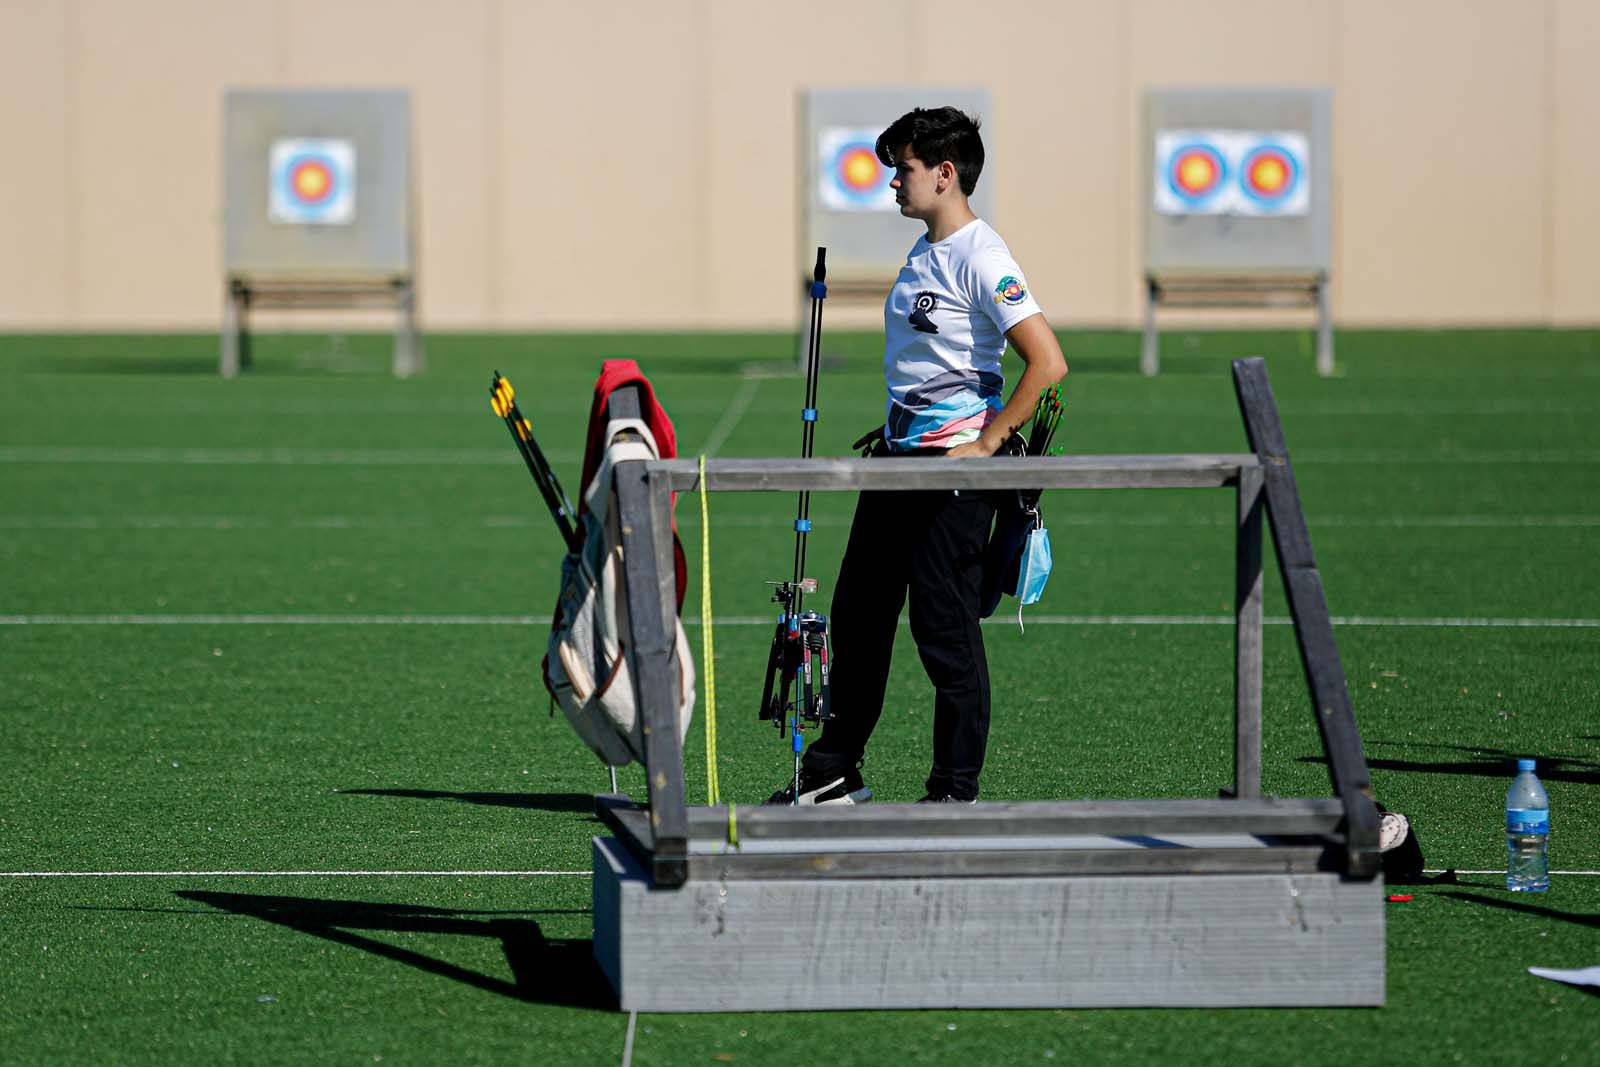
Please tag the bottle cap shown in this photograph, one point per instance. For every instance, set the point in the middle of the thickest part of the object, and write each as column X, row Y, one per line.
column 1525, row 764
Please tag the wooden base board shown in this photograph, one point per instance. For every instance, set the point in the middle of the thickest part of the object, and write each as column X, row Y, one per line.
column 1220, row 940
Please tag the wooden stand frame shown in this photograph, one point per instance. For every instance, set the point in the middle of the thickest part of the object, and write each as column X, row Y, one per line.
column 1243, row 900
column 243, row 294
column 1235, row 291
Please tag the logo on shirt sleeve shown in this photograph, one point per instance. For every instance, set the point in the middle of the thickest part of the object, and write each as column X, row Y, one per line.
column 926, row 303
column 1010, row 291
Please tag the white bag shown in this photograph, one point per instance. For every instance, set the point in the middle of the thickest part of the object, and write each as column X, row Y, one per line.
column 587, row 665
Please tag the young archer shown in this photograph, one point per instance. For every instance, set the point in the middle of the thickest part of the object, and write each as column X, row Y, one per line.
column 957, row 305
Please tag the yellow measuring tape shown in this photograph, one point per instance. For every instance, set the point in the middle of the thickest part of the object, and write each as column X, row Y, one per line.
column 713, row 789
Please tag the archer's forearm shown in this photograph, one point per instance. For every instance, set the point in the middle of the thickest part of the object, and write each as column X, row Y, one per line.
column 1044, row 365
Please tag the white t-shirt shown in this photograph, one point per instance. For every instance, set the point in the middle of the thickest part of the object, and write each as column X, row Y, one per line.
column 944, row 328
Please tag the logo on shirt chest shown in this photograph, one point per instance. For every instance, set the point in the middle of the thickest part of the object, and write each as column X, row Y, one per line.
column 924, row 305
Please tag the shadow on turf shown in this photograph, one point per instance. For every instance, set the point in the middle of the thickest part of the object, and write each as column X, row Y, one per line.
column 561, row 972
column 1592, row 921
column 575, row 802
column 1485, row 762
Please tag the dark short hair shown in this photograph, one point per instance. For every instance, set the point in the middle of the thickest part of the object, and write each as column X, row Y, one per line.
column 936, row 134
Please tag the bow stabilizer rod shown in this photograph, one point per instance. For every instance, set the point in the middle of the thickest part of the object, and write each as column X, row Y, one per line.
column 798, row 660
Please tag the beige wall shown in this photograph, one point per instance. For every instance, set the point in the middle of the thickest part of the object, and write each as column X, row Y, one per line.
column 633, row 165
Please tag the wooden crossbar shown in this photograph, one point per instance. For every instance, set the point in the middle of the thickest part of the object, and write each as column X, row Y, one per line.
column 1126, row 837
column 1031, row 472
column 1279, row 815
column 287, row 293
column 1297, row 290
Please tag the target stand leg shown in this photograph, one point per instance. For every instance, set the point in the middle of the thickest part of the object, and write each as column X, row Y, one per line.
column 1150, row 351
column 408, row 358
column 235, row 354
column 1324, row 329
column 228, row 360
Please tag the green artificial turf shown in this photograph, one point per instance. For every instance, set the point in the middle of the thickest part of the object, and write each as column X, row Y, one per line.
column 1446, row 476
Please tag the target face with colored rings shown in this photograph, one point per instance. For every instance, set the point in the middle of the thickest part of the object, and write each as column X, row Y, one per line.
column 1232, row 172
column 1270, row 173
column 311, row 181
column 1196, row 171
column 849, row 176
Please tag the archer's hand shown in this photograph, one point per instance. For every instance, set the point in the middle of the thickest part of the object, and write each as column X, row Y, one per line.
column 982, row 448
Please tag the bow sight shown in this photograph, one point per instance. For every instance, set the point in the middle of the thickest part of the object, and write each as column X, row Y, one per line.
column 799, row 659
column 798, row 662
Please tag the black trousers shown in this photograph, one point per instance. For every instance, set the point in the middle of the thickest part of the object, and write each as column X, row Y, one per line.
column 928, row 545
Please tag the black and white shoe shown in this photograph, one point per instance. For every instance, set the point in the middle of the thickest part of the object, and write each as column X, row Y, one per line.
column 836, row 787
column 1393, row 829
column 1399, row 851
column 945, row 798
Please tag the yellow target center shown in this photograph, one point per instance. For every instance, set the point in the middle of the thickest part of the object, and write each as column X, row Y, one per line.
column 1196, row 172
column 860, row 170
column 1270, row 175
column 311, row 182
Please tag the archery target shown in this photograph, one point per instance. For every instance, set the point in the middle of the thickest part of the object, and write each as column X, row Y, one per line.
column 1272, row 175
column 1196, row 174
column 849, row 176
column 1232, row 172
column 312, row 182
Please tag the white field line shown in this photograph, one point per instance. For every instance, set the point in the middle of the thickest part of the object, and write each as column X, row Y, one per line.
column 368, row 457
column 627, row 1041
column 1453, row 623
column 1452, row 457
column 274, row 457
column 463, row 874
column 294, row 874
column 1459, row 521
column 269, row 620
column 1444, row 623
column 764, row 620
column 730, row 418
column 368, row 404
column 689, row 517
column 239, row 522
column 259, row 405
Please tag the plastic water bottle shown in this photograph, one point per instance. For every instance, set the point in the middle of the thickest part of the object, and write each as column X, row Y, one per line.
column 1527, row 832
